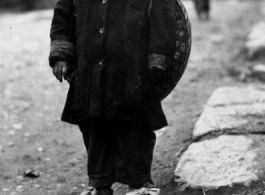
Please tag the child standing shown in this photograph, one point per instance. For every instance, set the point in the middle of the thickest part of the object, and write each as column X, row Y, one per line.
column 115, row 55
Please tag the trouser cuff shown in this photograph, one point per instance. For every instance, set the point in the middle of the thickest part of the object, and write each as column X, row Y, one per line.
column 136, row 179
column 101, row 182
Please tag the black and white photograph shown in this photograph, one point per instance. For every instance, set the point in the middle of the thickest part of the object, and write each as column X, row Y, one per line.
column 132, row 97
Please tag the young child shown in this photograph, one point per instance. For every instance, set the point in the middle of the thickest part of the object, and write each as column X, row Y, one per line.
column 116, row 55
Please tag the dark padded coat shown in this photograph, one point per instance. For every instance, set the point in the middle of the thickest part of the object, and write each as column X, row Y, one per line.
column 111, row 45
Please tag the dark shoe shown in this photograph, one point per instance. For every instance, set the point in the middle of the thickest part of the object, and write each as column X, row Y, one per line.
column 99, row 191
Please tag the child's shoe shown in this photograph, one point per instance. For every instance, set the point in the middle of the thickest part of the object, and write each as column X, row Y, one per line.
column 99, row 191
column 146, row 188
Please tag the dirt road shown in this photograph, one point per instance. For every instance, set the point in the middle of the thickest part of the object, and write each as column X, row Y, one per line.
column 31, row 134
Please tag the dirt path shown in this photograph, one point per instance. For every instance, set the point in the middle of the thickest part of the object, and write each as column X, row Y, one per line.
column 31, row 134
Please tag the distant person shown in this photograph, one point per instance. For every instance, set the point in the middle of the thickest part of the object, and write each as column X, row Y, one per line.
column 202, row 8
column 116, row 55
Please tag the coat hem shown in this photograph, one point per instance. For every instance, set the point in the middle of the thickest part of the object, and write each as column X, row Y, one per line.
column 119, row 117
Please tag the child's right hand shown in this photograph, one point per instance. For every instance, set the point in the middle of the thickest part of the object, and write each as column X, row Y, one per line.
column 60, row 70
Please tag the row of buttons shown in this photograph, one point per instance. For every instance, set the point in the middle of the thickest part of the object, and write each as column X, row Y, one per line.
column 101, row 31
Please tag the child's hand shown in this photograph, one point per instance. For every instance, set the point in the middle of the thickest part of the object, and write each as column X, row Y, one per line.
column 60, row 70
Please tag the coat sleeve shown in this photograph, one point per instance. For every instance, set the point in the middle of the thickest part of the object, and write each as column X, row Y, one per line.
column 62, row 33
column 162, row 40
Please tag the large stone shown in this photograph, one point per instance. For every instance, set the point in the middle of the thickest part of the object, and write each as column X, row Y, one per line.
column 240, row 109
column 259, row 71
column 222, row 161
column 256, row 40
column 225, row 96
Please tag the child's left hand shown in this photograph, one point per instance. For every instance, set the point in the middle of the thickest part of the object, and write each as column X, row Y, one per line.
column 60, row 70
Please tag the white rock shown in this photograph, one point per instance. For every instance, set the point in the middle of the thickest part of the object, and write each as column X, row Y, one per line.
column 236, row 95
column 27, row 134
column 228, row 107
column 226, row 160
column 19, row 188
column 218, row 162
column 259, row 71
column 256, row 40
column 47, row 159
column 40, row 149
column 259, row 68
column 226, row 117
column 257, row 30
column 17, row 126
column 10, row 144
column 36, row 186
column 7, row 92
column 19, row 178
column 12, row 132
column 216, row 38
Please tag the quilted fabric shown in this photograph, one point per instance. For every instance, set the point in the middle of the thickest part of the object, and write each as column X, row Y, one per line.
column 113, row 40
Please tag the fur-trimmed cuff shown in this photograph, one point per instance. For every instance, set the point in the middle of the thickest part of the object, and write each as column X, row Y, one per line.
column 61, row 50
column 157, row 60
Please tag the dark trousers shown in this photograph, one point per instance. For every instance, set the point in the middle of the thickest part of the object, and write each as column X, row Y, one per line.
column 117, row 152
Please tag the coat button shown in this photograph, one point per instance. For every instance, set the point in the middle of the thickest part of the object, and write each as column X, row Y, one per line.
column 104, row 1
column 100, row 62
column 101, row 30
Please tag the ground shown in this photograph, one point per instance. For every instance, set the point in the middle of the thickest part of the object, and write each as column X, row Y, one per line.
column 32, row 137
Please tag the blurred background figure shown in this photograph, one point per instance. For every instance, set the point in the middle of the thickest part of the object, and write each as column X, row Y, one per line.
column 203, row 9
